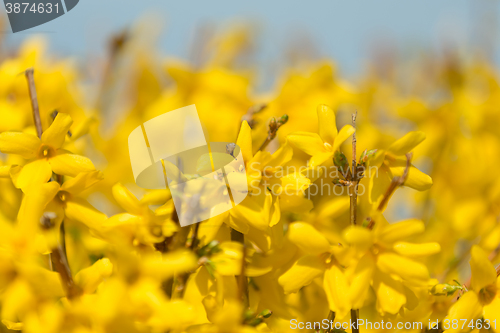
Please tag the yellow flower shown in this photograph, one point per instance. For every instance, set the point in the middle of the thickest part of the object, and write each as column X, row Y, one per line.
column 482, row 300
column 139, row 225
column 259, row 211
column 321, row 146
column 44, row 155
column 62, row 200
column 386, row 263
column 319, row 258
column 391, row 163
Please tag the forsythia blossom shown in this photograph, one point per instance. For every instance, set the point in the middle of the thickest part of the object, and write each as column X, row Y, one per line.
column 83, row 249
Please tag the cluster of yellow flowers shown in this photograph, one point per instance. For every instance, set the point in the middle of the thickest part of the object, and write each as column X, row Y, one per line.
column 326, row 234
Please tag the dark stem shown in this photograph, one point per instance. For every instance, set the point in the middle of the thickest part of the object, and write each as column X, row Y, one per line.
column 194, row 238
column 354, row 204
column 353, row 188
column 331, row 318
column 354, row 319
column 395, row 183
column 34, row 101
column 274, row 126
column 241, row 279
column 60, row 263
column 266, row 142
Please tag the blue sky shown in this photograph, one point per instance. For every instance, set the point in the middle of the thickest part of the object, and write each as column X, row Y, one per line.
column 342, row 30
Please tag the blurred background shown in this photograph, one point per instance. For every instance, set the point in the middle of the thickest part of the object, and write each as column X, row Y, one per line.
column 349, row 32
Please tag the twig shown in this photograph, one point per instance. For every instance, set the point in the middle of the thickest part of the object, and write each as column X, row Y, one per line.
column 354, row 319
column 60, row 262
column 252, row 111
column 331, row 318
column 354, row 202
column 395, row 183
column 354, row 115
column 29, row 73
column 194, row 238
column 34, row 101
column 354, row 180
column 273, row 130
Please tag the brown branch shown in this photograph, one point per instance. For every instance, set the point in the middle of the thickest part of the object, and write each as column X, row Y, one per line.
column 34, row 101
column 354, row 319
column 60, row 262
column 353, row 195
column 252, row 111
column 274, row 126
column 194, row 238
column 331, row 318
column 395, row 183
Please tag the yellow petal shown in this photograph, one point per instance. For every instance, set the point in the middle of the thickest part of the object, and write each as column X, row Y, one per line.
column 482, row 271
column 82, row 128
column 11, row 325
column 379, row 182
column 120, row 228
column 295, row 203
column 400, row 230
column 237, row 224
column 294, row 184
column 343, row 135
column 126, row 199
column 417, row 180
column 156, row 197
column 57, row 131
column 406, row 143
column 33, row 204
column 68, row 164
column 35, row 173
column 307, row 238
column 90, row 278
column 255, row 210
column 327, row 124
column 334, row 208
column 319, row 159
column 359, row 237
column 275, row 213
column 166, row 209
column 19, row 143
column 309, row 143
column 467, row 307
column 169, row 264
column 407, row 269
column 82, row 181
column 208, row 229
column 361, row 281
column 5, row 171
column 416, row 250
column 492, row 313
column 42, row 281
column 244, row 141
column 301, row 273
column 390, row 293
column 16, row 300
column 282, row 156
column 337, row 291
column 80, row 210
